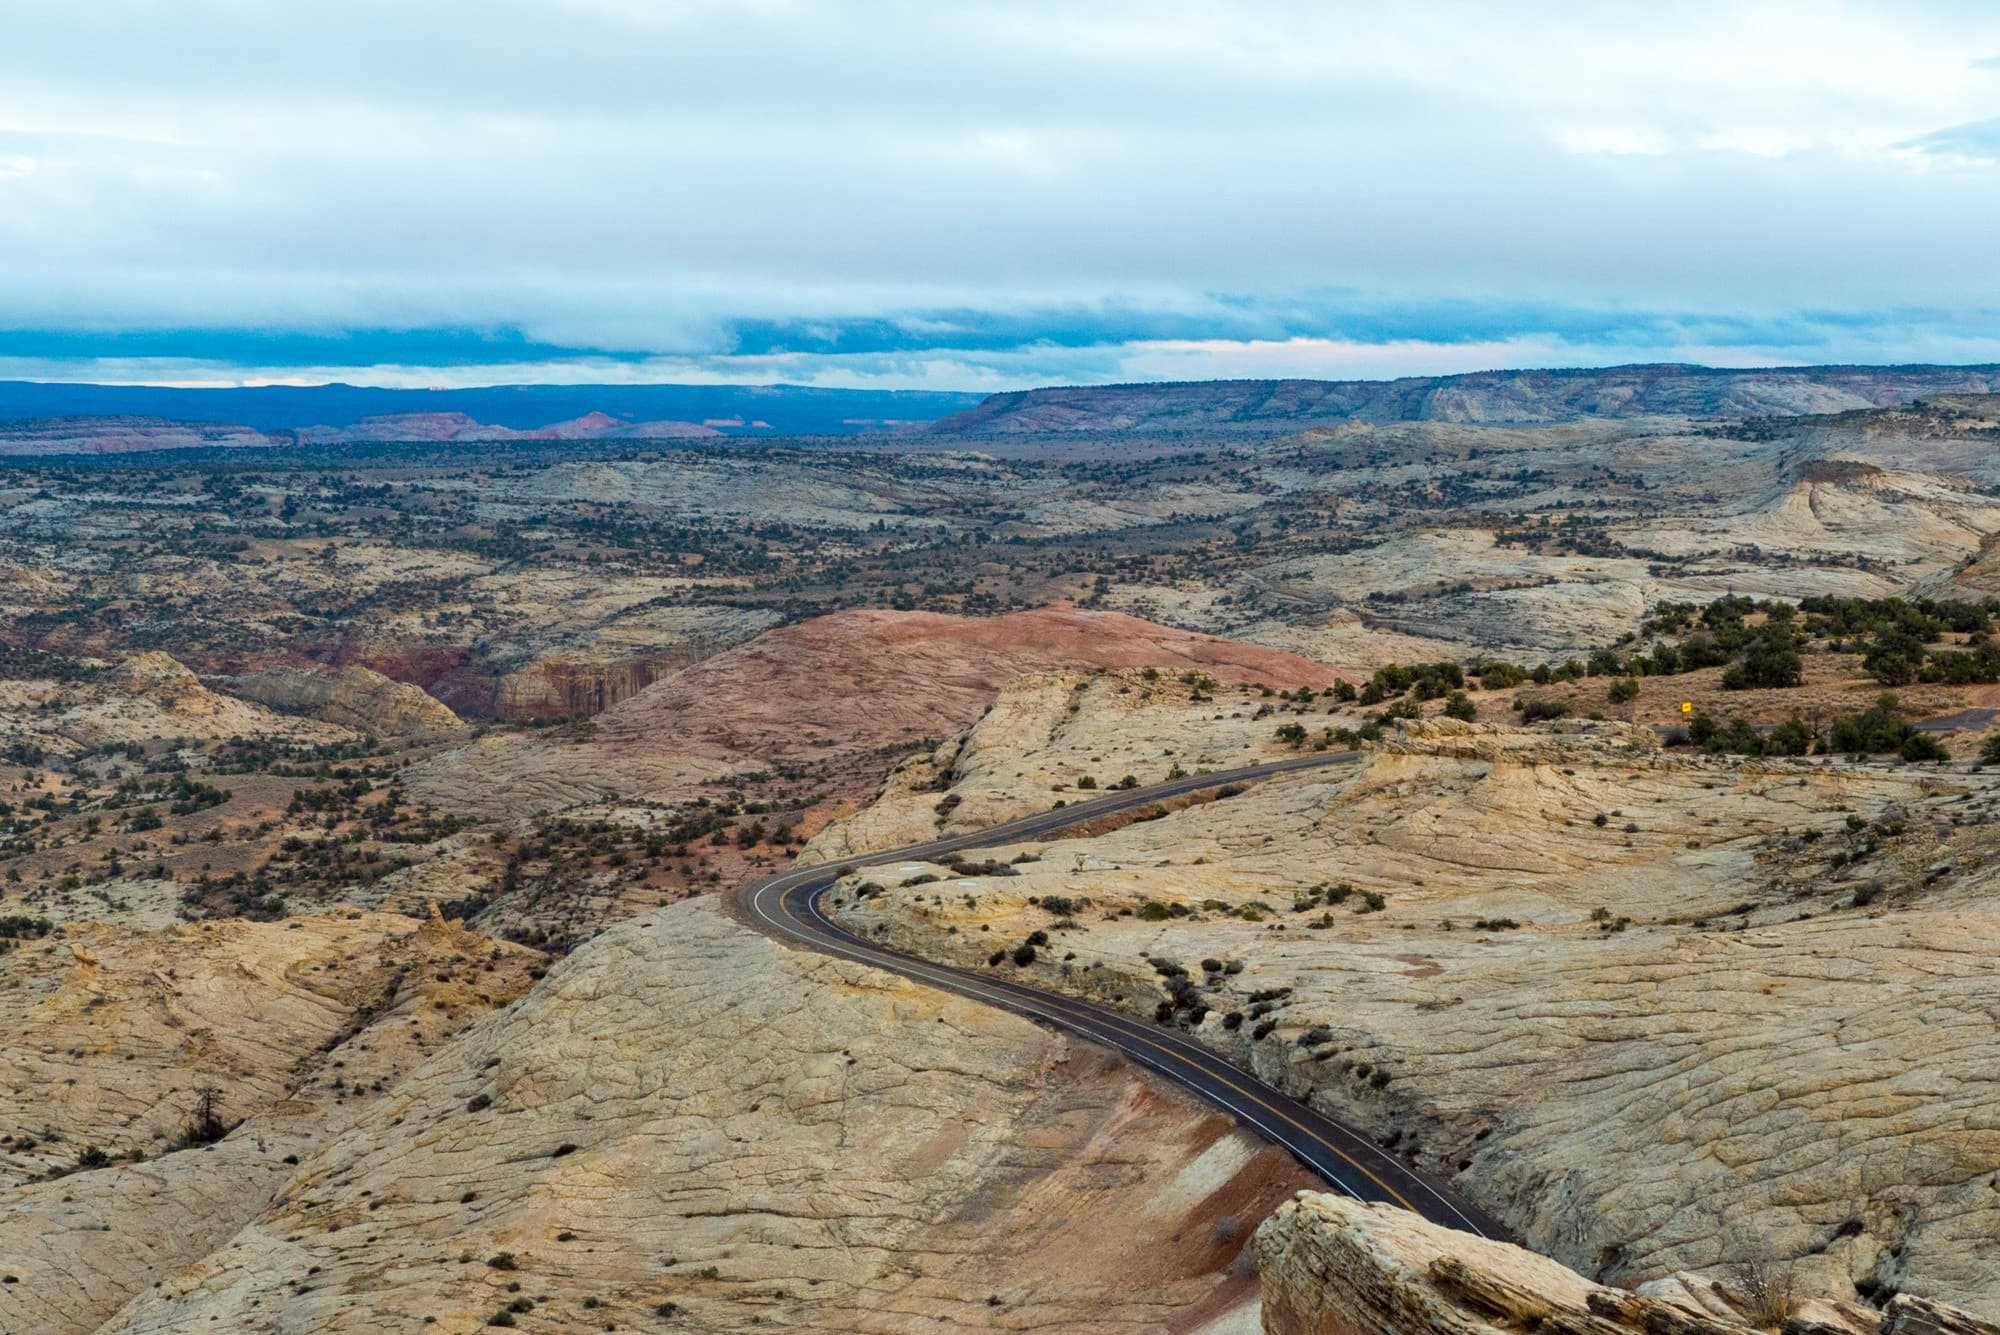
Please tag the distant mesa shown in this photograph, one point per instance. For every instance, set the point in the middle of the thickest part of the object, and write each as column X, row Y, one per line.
column 132, row 435
column 122, row 435
column 564, row 412
column 1485, row 397
column 37, row 419
column 455, row 427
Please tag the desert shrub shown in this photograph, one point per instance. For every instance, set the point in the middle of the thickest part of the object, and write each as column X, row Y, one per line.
column 1876, row 729
column 1426, row 681
column 19, row 926
column 1735, row 738
column 1793, row 737
column 1699, row 651
column 1921, row 746
column 1767, row 1287
column 1767, row 663
column 204, row 1125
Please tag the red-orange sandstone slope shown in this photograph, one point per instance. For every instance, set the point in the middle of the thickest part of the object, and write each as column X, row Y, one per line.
column 834, row 691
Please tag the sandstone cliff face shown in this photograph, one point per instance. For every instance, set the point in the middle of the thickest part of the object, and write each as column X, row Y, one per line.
column 355, row 697
column 686, row 1118
column 555, row 687
column 1332, row 1266
column 600, row 644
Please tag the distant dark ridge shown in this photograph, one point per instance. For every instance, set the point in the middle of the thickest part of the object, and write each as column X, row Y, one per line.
column 1489, row 397
column 788, row 410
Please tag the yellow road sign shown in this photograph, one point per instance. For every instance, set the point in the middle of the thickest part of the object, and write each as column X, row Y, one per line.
column 1687, row 706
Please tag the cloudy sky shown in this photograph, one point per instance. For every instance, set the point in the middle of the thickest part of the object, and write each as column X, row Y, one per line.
column 983, row 195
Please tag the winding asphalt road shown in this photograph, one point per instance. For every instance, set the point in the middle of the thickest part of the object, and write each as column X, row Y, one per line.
column 787, row 907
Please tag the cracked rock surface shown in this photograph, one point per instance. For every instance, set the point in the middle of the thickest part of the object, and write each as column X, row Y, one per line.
column 686, row 1117
column 1332, row 1266
column 1633, row 1001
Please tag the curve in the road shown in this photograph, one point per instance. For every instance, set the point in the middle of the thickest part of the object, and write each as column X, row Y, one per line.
column 787, row 907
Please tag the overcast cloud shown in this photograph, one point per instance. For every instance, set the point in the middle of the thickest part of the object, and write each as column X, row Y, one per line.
column 980, row 195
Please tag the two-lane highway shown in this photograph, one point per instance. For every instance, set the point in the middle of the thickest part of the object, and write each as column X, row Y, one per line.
column 787, row 907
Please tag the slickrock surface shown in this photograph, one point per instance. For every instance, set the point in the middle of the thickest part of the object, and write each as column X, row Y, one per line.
column 354, row 697
column 1331, row 1266
column 296, row 1026
column 1752, row 996
column 685, row 1113
column 1844, row 506
column 834, row 691
column 1460, row 587
column 148, row 697
column 1045, row 734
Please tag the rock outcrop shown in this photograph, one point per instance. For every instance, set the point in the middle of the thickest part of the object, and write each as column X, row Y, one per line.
column 686, row 1120
column 1332, row 1266
column 149, row 697
column 1045, row 735
column 108, row 1177
column 355, row 697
